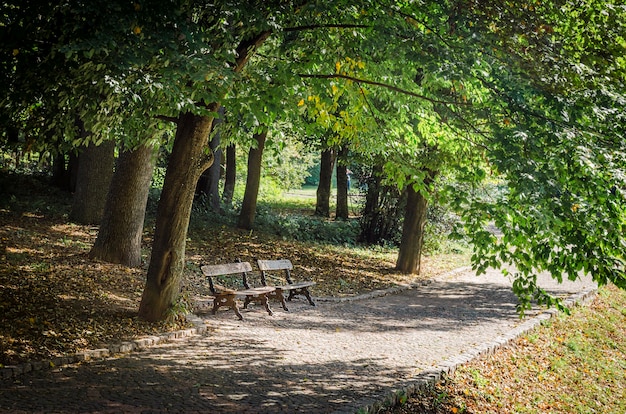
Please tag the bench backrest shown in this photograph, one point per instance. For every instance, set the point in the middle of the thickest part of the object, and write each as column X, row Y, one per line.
column 211, row 271
column 226, row 268
column 269, row 265
column 274, row 264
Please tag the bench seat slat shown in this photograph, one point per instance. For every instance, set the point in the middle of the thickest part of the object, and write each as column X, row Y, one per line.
column 294, row 289
column 256, row 291
column 297, row 285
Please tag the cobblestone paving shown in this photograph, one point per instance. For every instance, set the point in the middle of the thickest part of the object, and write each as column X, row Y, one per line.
column 332, row 358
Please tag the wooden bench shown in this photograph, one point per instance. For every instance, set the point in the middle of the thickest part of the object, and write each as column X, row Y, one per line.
column 294, row 289
column 227, row 297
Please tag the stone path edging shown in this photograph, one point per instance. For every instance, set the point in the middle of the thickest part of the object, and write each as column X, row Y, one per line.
column 12, row 371
column 426, row 380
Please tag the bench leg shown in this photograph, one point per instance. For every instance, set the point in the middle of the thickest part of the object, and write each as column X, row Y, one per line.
column 280, row 297
column 306, row 293
column 302, row 291
column 226, row 300
column 266, row 303
column 262, row 299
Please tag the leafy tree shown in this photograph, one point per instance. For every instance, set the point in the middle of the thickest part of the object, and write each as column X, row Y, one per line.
column 556, row 138
column 341, row 212
column 525, row 92
column 327, row 162
column 230, row 175
column 121, row 229
column 95, row 171
column 208, row 185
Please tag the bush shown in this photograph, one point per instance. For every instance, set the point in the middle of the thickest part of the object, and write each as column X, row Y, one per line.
column 307, row 228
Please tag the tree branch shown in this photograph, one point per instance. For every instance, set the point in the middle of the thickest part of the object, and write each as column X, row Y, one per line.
column 432, row 30
column 384, row 85
column 247, row 47
column 326, row 26
column 167, row 118
column 378, row 122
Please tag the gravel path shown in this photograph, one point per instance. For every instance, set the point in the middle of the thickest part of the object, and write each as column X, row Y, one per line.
column 333, row 358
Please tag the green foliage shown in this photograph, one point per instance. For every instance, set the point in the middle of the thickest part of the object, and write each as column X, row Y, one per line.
column 278, row 218
column 313, row 178
column 308, row 228
column 286, row 161
column 529, row 93
column 441, row 222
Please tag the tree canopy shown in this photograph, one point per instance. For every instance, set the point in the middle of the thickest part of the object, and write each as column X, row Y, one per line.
column 529, row 94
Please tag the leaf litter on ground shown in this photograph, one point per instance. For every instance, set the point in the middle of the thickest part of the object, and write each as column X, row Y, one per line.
column 55, row 301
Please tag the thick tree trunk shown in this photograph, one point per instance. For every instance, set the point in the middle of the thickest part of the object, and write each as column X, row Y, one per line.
column 322, row 205
column 95, row 170
column 121, row 229
column 65, row 175
column 230, row 175
column 341, row 211
column 253, row 181
column 209, row 182
column 410, row 252
column 72, row 172
column 186, row 163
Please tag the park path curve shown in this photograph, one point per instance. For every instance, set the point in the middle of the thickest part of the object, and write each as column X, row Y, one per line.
column 333, row 358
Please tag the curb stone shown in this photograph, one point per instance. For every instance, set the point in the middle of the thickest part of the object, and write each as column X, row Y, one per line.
column 426, row 380
column 12, row 371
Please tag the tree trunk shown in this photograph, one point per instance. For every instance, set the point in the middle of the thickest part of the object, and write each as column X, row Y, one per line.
column 95, row 170
column 383, row 211
column 371, row 210
column 121, row 229
column 322, row 205
column 410, row 252
column 209, row 182
column 341, row 211
column 253, row 181
column 186, row 163
column 59, row 171
column 64, row 175
column 230, row 175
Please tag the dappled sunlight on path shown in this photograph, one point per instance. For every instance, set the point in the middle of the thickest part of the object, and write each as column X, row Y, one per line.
column 335, row 357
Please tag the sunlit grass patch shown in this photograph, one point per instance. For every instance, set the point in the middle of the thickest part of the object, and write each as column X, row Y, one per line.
column 574, row 364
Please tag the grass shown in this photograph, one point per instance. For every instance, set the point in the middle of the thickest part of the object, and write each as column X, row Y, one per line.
column 574, row 364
